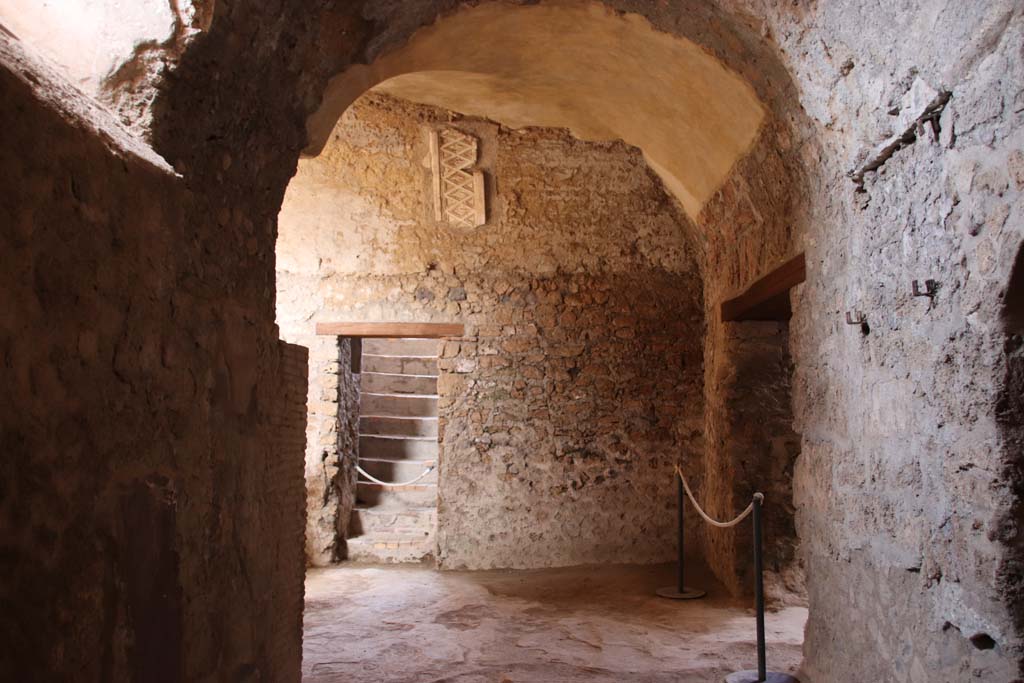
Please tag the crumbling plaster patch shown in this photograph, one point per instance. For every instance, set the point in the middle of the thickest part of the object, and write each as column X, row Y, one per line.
column 89, row 39
column 116, row 52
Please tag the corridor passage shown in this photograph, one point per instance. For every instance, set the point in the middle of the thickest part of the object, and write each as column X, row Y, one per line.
column 595, row 624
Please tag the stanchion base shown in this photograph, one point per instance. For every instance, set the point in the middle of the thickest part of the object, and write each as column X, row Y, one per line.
column 672, row 593
column 751, row 677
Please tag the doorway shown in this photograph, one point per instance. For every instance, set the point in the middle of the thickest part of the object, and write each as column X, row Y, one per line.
column 395, row 515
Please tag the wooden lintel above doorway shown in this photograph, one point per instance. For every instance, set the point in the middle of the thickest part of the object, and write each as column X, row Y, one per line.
column 768, row 297
column 397, row 330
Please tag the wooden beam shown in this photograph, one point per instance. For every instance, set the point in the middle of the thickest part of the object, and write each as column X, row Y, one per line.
column 391, row 330
column 768, row 297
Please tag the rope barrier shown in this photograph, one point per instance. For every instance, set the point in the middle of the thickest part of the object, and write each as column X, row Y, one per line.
column 681, row 592
column 714, row 522
column 391, row 483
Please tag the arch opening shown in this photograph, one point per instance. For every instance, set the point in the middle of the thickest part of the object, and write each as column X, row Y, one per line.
column 513, row 72
column 601, row 74
column 607, row 75
column 580, row 364
column 577, row 385
column 221, row 215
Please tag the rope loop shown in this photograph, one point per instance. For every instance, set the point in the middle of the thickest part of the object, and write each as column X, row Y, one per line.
column 714, row 522
column 428, row 470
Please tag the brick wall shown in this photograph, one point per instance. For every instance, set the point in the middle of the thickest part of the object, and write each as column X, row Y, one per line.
column 331, row 444
column 286, row 495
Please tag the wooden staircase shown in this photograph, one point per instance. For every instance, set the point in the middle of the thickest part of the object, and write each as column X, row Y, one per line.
column 397, row 441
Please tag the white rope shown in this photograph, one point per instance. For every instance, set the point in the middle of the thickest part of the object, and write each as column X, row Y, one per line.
column 391, row 483
column 715, row 522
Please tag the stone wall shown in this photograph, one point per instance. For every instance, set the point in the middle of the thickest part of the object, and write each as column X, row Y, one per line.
column 902, row 496
column 148, row 509
column 907, row 496
column 901, row 491
column 906, row 505
column 751, row 447
column 287, row 494
column 331, row 447
column 577, row 384
column 751, row 443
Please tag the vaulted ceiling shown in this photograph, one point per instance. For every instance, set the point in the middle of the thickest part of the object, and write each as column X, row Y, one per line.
column 602, row 74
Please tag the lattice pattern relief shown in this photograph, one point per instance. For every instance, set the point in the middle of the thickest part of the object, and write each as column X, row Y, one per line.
column 458, row 189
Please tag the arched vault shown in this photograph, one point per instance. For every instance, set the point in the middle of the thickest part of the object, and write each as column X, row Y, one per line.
column 602, row 74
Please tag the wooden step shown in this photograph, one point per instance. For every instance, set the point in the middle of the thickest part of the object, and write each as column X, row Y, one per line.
column 393, row 383
column 397, row 405
column 398, row 439
column 399, row 470
column 398, row 447
column 412, row 521
column 395, row 497
column 373, row 425
column 390, row 549
column 401, row 347
column 403, row 365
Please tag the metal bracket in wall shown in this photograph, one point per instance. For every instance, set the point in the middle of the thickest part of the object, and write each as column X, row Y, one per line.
column 855, row 318
column 930, row 286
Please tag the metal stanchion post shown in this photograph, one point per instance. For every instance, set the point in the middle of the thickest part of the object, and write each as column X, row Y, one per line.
column 680, row 590
column 762, row 675
column 759, row 590
column 681, row 546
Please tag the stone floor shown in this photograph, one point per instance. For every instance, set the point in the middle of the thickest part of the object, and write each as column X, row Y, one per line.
column 596, row 624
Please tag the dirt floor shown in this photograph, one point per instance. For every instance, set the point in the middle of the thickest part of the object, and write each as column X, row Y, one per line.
column 596, row 624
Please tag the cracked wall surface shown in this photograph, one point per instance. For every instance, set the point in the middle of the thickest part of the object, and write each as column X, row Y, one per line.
column 577, row 383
